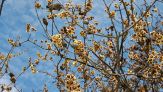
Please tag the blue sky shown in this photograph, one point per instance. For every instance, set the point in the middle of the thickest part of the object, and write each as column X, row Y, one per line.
column 15, row 15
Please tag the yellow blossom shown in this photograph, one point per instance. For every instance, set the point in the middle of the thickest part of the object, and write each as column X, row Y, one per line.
column 116, row 5
column 56, row 38
column 155, row 10
column 49, row 1
column 112, row 14
column 37, row 5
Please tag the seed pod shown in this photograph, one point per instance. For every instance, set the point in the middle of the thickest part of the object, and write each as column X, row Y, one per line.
column 11, row 75
column 45, row 21
column 64, row 44
column 62, row 67
column 56, row 6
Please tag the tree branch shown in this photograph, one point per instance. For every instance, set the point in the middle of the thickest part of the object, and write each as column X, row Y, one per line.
column 1, row 6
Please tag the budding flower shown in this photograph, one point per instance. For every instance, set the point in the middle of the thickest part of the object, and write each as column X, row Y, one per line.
column 49, row 46
column 45, row 21
column 28, row 26
column 37, row 61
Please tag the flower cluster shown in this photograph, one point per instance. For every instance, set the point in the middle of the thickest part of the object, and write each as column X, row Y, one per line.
column 152, row 56
column 140, row 36
column 91, row 29
column 78, row 46
column 57, row 40
column 13, row 43
column 51, row 16
column 134, row 56
column 71, row 83
column 70, row 30
column 157, row 37
column 96, row 46
column 154, row 71
column 33, row 68
column 113, row 80
column 6, row 88
column 29, row 27
column 88, row 5
column 64, row 14
column 83, row 33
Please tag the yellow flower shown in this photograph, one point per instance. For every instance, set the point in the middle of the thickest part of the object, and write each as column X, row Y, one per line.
column 33, row 69
column 49, row 1
column 92, row 72
column 148, row 14
column 96, row 46
column 112, row 14
column 70, row 30
column 2, row 57
column 36, row 61
column 116, row 5
column 75, row 63
column 129, row 12
column 129, row 71
column 97, row 78
column 51, row 16
column 39, row 54
column 155, row 10
column 83, row 34
column 64, row 14
column 78, row 44
column 110, row 44
column 10, row 56
column 37, row 5
column 126, row 3
column 56, row 38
